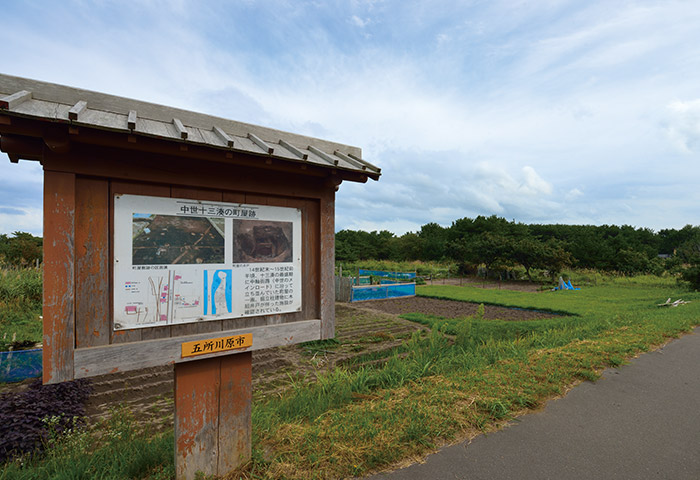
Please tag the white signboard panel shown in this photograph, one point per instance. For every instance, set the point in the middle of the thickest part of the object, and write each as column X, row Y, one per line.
column 181, row 261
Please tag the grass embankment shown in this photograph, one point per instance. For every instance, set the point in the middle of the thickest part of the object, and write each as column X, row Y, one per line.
column 465, row 377
column 20, row 307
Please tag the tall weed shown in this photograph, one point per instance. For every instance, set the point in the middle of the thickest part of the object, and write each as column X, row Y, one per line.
column 20, row 307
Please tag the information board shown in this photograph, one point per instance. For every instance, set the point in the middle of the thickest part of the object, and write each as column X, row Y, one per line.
column 181, row 261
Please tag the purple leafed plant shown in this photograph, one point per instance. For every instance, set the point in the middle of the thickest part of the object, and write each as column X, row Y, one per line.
column 22, row 425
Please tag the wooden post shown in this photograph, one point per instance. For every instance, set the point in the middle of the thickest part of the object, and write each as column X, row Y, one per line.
column 327, row 267
column 212, row 415
column 59, row 276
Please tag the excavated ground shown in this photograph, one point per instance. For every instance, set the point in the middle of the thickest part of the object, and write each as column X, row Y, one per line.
column 453, row 309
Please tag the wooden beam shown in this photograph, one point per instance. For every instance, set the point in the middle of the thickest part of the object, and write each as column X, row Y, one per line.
column 122, row 357
column 365, row 162
column 180, row 128
column 11, row 101
column 131, row 120
column 31, row 148
column 76, row 110
column 327, row 264
column 92, row 274
column 59, row 276
column 323, row 155
column 224, row 136
column 294, row 150
column 351, row 161
column 260, row 143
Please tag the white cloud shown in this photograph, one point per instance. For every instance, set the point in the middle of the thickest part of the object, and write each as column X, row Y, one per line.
column 683, row 126
column 533, row 184
column 359, row 22
column 573, row 194
column 21, row 220
column 469, row 109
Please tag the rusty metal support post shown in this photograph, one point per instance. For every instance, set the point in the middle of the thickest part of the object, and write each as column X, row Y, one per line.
column 212, row 415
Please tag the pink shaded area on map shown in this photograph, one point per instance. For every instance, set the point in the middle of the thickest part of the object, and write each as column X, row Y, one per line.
column 163, row 318
column 130, row 309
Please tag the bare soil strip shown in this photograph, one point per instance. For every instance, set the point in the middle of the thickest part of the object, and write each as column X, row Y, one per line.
column 452, row 309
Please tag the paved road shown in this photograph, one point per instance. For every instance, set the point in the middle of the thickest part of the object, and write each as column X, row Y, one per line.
column 641, row 421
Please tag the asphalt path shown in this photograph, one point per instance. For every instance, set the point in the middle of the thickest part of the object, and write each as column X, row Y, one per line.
column 639, row 421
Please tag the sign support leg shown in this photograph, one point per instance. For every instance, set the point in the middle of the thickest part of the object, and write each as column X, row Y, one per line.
column 212, row 415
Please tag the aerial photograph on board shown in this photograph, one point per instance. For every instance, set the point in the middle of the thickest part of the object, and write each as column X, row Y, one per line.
column 173, row 240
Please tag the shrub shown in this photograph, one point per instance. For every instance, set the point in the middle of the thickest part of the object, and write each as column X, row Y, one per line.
column 692, row 276
column 27, row 417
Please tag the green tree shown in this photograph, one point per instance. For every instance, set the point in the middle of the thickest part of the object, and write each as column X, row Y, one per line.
column 21, row 249
column 528, row 252
column 433, row 242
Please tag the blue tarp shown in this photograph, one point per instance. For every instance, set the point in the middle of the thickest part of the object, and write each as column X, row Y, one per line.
column 379, row 292
column 565, row 285
column 19, row 365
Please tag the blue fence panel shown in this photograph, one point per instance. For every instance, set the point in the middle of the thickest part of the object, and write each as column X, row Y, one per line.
column 18, row 365
column 368, row 293
column 379, row 292
column 401, row 290
column 380, row 273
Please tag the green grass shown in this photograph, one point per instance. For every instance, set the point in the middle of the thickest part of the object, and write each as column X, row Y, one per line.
column 465, row 376
column 114, row 450
column 352, row 422
column 20, row 307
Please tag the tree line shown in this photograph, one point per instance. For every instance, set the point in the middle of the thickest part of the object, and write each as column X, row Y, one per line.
column 496, row 244
column 21, row 249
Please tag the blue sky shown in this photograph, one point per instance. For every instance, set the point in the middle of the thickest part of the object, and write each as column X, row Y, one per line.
column 542, row 112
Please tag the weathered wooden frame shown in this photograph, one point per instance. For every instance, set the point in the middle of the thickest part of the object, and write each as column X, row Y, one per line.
column 84, row 298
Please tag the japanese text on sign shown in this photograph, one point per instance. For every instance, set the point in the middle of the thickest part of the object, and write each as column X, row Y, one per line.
column 215, row 345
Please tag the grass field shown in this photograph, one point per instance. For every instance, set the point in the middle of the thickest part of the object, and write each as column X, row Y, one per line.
column 20, row 307
column 465, row 377
column 351, row 423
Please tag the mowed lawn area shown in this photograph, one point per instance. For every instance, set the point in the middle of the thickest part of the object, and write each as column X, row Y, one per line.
column 463, row 377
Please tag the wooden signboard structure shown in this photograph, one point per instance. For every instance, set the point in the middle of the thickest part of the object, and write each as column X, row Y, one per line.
column 173, row 237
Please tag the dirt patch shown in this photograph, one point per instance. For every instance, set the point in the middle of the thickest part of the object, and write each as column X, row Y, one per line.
column 488, row 284
column 451, row 309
